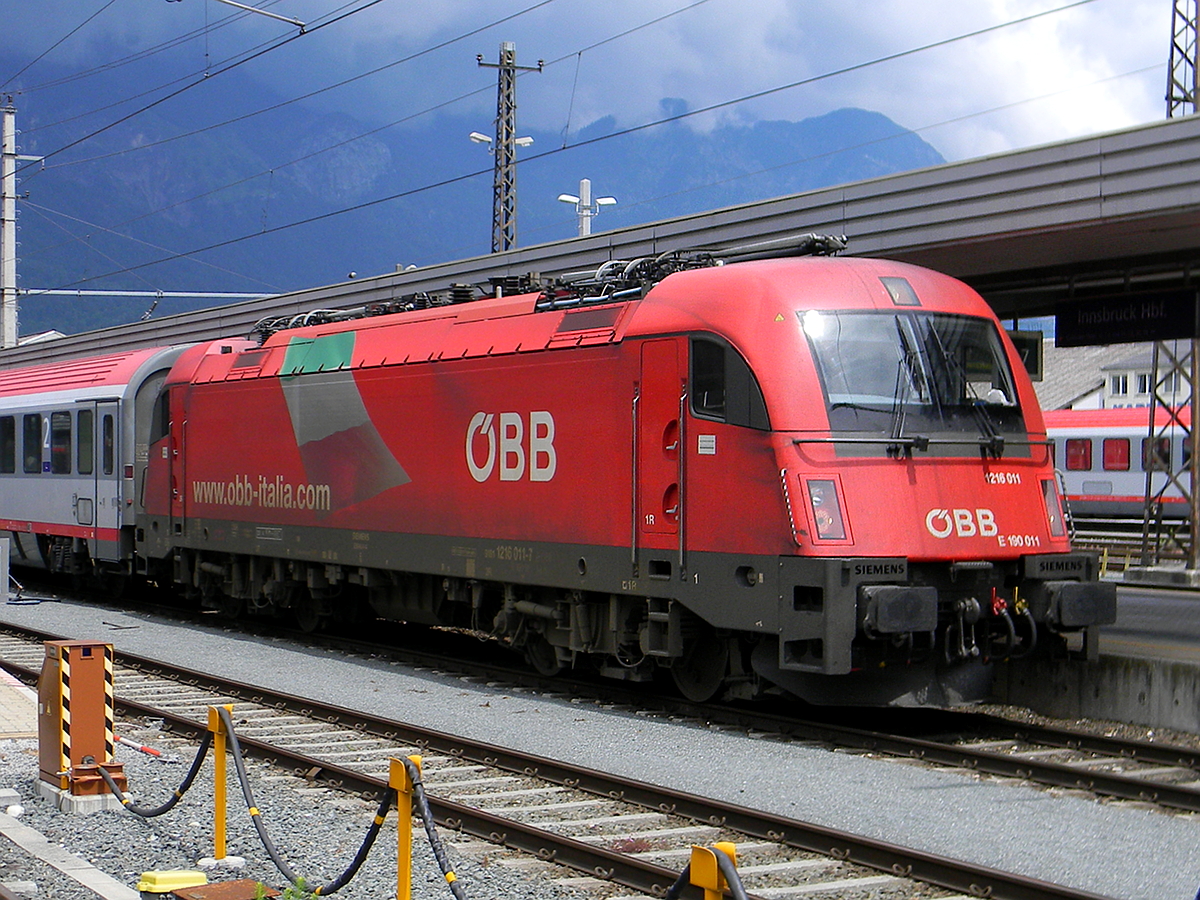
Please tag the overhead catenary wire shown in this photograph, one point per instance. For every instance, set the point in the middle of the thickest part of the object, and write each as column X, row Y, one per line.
column 203, row 73
column 145, row 53
column 46, row 213
column 308, row 96
column 54, row 46
column 439, row 106
column 916, row 129
column 609, row 136
column 220, row 71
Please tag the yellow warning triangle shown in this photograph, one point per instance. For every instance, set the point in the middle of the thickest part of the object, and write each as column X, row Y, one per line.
column 778, row 317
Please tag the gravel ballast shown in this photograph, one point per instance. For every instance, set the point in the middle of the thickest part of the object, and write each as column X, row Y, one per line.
column 317, row 831
column 1112, row 849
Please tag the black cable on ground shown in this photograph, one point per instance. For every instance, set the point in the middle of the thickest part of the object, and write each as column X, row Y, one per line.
column 422, row 804
column 685, row 878
column 732, row 878
column 150, row 812
column 269, row 845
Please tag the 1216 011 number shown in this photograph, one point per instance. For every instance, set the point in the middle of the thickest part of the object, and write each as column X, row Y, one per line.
column 1002, row 477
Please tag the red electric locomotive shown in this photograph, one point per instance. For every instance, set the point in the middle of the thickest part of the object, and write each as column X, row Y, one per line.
column 824, row 474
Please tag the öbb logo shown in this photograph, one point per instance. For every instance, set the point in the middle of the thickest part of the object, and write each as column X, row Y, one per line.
column 963, row 522
column 507, row 446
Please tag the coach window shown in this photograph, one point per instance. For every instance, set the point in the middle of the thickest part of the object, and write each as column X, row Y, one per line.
column 31, row 443
column 85, row 443
column 107, row 445
column 1079, row 454
column 1116, row 454
column 1156, row 454
column 60, row 443
column 8, row 445
column 723, row 387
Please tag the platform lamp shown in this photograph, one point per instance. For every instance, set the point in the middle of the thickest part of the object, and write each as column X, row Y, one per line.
column 504, row 186
column 585, row 206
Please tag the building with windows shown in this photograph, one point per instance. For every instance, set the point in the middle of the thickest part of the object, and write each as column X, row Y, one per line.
column 1110, row 377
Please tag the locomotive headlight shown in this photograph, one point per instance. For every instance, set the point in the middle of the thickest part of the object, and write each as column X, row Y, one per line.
column 827, row 511
column 1054, row 513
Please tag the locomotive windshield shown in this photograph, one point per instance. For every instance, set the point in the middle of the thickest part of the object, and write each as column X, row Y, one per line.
column 913, row 373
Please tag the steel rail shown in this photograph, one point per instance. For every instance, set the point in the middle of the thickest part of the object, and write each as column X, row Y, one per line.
column 1045, row 772
column 1125, row 787
column 956, row 875
column 1125, row 748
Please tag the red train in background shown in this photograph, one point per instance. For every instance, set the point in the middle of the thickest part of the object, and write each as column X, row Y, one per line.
column 823, row 474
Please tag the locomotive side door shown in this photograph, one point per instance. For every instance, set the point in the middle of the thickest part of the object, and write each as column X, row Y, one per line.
column 175, row 450
column 658, row 501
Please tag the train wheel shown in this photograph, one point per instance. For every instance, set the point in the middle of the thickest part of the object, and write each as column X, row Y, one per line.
column 230, row 607
column 112, row 583
column 700, row 672
column 308, row 613
column 540, row 654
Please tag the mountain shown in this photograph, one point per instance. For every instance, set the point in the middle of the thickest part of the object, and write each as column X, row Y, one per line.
column 145, row 196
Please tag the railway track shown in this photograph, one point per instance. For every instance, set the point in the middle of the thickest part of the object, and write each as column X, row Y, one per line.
column 625, row 833
column 1119, row 541
column 1051, row 756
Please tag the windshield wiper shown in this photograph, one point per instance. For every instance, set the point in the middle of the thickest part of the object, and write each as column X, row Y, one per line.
column 901, row 445
column 991, row 441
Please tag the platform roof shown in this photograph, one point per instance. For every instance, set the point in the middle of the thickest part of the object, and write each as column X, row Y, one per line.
column 1108, row 213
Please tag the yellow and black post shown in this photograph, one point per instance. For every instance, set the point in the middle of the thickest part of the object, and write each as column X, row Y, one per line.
column 706, row 872
column 75, row 718
column 220, row 806
column 402, row 784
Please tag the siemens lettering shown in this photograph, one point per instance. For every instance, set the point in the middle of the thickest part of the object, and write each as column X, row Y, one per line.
column 506, row 445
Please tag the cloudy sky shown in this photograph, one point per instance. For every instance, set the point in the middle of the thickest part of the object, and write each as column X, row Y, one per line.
column 996, row 74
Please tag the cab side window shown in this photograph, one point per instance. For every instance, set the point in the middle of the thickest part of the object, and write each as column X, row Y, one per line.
column 160, row 419
column 723, row 387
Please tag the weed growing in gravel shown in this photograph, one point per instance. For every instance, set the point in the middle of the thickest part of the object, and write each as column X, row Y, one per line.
column 297, row 891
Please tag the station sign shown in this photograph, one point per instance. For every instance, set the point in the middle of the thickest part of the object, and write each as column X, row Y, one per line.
column 1127, row 318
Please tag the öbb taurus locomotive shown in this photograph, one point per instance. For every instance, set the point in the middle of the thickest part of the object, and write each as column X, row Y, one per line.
column 824, row 474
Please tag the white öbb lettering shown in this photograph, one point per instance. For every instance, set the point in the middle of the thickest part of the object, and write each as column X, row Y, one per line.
column 963, row 522
column 506, row 444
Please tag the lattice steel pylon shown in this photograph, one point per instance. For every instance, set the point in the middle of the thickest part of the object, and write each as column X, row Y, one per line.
column 504, row 182
column 1175, row 389
column 1182, row 73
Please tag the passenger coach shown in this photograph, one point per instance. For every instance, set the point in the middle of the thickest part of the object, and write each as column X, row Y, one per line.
column 68, row 459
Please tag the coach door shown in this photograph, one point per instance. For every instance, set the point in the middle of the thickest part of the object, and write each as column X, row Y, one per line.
column 659, row 476
column 106, row 499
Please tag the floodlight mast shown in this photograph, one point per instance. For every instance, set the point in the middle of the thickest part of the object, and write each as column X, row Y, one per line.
column 504, row 182
column 585, row 207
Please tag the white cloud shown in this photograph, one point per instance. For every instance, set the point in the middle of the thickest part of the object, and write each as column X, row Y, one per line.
column 1060, row 76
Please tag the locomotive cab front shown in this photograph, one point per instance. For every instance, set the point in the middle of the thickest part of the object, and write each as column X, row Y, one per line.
column 928, row 529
